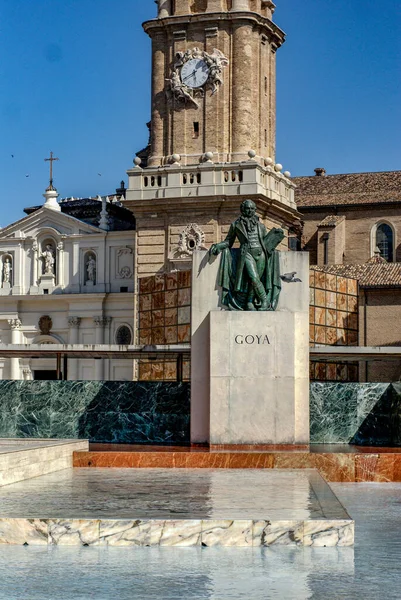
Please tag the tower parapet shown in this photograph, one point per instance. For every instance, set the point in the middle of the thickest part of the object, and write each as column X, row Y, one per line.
column 168, row 8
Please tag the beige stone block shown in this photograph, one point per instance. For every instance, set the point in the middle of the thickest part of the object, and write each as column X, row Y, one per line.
column 150, row 250
column 153, row 240
column 150, row 259
column 149, row 269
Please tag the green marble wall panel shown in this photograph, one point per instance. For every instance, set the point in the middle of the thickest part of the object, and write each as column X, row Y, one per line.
column 357, row 413
column 153, row 412
column 126, row 412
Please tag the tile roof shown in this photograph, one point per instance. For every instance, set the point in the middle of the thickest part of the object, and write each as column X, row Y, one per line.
column 369, row 275
column 350, row 188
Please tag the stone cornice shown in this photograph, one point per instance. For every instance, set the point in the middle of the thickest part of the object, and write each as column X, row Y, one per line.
column 169, row 23
column 267, row 207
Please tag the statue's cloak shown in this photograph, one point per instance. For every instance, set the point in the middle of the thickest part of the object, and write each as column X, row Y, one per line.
column 232, row 276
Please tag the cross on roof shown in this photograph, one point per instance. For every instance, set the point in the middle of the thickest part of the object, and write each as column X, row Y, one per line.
column 51, row 159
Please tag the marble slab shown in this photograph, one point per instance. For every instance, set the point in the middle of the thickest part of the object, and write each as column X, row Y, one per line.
column 24, row 459
column 247, row 508
column 359, row 413
column 115, row 411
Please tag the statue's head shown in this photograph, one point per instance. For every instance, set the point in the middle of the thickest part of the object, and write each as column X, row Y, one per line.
column 248, row 208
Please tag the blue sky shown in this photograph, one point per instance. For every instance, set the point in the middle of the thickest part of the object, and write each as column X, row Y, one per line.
column 75, row 79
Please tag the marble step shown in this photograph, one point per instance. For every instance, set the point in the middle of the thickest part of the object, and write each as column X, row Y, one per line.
column 383, row 465
column 113, row 507
column 22, row 459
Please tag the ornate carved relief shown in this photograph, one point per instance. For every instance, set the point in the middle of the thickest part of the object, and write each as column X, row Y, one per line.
column 205, row 72
column 102, row 321
column 191, row 238
column 45, row 324
column 15, row 323
column 125, row 263
column 74, row 322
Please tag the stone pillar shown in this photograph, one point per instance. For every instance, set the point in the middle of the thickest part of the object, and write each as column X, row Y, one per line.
column 35, row 264
column 243, row 108
column 60, row 264
column 73, row 324
column 100, row 323
column 159, row 50
column 107, row 340
column 15, row 326
column 164, row 8
column 240, row 5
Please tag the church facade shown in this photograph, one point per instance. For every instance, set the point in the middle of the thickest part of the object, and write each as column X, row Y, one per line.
column 68, row 280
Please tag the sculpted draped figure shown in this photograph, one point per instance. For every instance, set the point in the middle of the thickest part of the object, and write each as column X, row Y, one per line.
column 91, row 269
column 250, row 276
column 48, row 258
column 7, row 271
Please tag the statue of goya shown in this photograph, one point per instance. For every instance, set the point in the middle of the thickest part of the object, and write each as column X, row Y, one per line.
column 250, row 275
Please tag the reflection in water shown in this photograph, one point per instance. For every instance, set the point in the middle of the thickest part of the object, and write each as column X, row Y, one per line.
column 167, row 573
column 370, row 572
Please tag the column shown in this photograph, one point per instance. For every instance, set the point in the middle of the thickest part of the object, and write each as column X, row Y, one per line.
column 34, row 264
column 243, row 78
column 240, row 5
column 107, row 340
column 60, row 264
column 164, row 8
column 100, row 323
column 159, row 110
column 15, row 326
column 73, row 324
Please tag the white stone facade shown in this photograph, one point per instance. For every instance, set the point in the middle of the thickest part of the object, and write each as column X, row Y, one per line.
column 82, row 277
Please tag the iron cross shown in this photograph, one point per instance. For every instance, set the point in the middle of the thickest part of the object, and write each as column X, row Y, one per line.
column 51, row 159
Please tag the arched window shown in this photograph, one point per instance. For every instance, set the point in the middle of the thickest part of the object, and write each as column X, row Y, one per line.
column 123, row 336
column 385, row 241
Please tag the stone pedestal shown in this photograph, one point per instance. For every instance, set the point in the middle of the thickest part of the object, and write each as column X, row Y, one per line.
column 259, row 383
column 250, row 370
column 47, row 282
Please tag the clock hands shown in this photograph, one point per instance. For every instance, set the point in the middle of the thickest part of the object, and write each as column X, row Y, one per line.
column 190, row 75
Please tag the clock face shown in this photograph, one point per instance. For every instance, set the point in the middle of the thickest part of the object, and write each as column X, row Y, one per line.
column 195, row 73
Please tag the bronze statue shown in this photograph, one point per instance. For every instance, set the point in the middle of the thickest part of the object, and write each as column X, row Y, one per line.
column 250, row 276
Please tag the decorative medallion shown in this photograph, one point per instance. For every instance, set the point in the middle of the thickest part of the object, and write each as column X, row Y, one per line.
column 45, row 324
column 191, row 238
column 193, row 72
column 125, row 263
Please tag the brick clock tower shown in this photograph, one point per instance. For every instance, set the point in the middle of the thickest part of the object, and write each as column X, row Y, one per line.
column 213, row 130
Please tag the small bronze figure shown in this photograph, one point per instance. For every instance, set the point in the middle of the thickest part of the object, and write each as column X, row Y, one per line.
column 250, row 276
